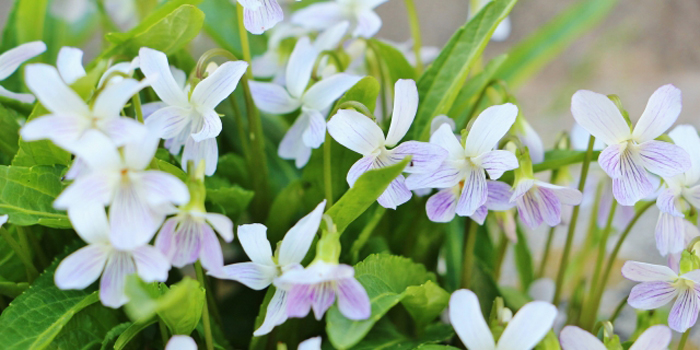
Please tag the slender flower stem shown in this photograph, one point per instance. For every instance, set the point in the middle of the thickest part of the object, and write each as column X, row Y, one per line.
column 328, row 170
column 502, row 249
column 137, row 107
column 572, row 223
column 205, row 310
column 415, row 33
column 32, row 273
column 545, row 255
column 366, row 232
column 684, row 338
column 602, row 247
column 245, row 46
column 238, row 118
column 258, row 158
column 470, row 242
column 163, row 331
column 595, row 301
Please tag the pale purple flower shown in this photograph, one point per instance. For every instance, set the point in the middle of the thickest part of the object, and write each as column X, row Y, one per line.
column 265, row 268
column 100, row 257
column 690, row 232
column 70, row 67
column 360, row 13
column 261, row 15
column 190, row 118
column 189, row 236
column 538, row 201
column 181, row 342
column 309, row 130
column 463, row 173
column 71, row 118
column 630, row 154
column 11, row 59
column 273, row 62
column 659, row 286
column 310, row 344
column 680, row 193
column 527, row 328
column 530, row 138
column 319, row 285
column 654, row 338
column 138, row 199
column 362, row 135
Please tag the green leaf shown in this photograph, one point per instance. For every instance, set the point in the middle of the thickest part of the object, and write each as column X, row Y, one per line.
column 168, row 29
column 179, row 306
column 28, row 195
column 385, row 336
column 132, row 331
column 221, row 24
column 364, row 91
column 30, row 20
column 425, row 302
column 37, row 316
column 86, row 329
column 386, row 279
column 366, row 190
column 550, row 342
column 523, row 261
column 468, row 98
column 232, row 200
column 162, row 165
column 9, row 131
column 440, row 84
column 395, row 61
column 111, row 336
column 535, row 52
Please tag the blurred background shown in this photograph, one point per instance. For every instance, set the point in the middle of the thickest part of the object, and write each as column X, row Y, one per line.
column 640, row 46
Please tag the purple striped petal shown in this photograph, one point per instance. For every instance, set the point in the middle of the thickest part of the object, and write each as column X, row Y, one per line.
column 396, row 194
column 633, row 183
column 252, row 275
column 119, row 265
column 499, row 196
column 315, row 132
column 299, row 301
column 664, row 158
column 323, row 296
column 474, row 193
column 353, row 300
column 82, row 268
column 529, row 210
column 360, row 167
column 258, row 20
column 445, row 176
column 210, row 249
column 644, row 272
column 651, row 295
column 151, row 264
column 574, row 338
column 609, row 159
column 669, row 234
column 272, row 98
column 179, row 240
column 668, row 202
column 480, row 214
column 550, row 206
column 655, row 337
column 276, row 313
column 685, row 310
column 206, row 151
column 441, row 206
column 661, row 112
column 497, row 162
column 425, row 157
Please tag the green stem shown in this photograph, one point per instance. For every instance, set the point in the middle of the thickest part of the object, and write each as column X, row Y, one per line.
column 245, row 46
column 205, row 310
column 376, row 57
column 589, row 314
column 595, row 302
column 137, row 107
column 415, row 33
column 238, row 118
column 366, row 232
column 502, row 249
column 39, row 252
column 547, row 247
column 684, row 338
column 572, row 224
column 32, row 273
column 328, row 170
column 163, row 331
column 470, row 242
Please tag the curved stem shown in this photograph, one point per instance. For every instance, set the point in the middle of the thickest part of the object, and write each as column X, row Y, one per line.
column 209, row 339
column 137, row 107
column 470, row 242
column 545, row 256
column 382, row 78
column 366, row 232
column 572, row 223
column 245, row 46
column 595, row 302
column 415, row 33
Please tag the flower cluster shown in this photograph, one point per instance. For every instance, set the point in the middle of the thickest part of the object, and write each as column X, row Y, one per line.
column 146, row 185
